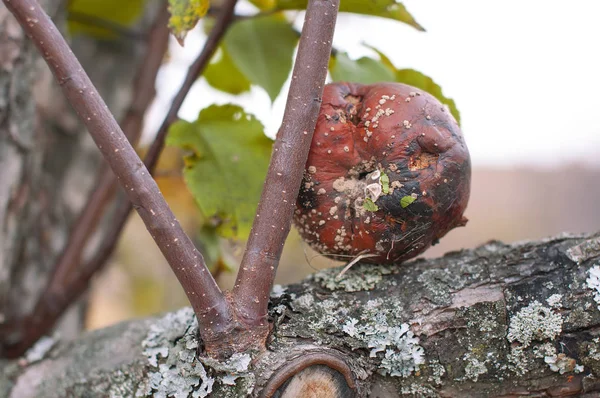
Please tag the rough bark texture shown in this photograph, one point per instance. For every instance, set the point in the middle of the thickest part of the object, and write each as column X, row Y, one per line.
column 499, row 320
column 47, row 160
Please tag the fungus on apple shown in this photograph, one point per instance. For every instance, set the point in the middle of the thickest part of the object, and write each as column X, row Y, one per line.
column 388, row 173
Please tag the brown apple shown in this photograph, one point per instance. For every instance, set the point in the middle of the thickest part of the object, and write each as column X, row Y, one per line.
column 388, row 174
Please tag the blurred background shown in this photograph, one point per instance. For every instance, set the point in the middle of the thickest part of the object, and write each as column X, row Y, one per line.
column 524, row 77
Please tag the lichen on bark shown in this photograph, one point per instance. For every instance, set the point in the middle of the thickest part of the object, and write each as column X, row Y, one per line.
column 496, row 320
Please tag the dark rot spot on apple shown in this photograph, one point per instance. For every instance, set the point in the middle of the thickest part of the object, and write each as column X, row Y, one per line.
column 388, row 174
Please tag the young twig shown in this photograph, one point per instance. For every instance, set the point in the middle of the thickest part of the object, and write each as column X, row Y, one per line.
column 106, row 182
column 59, row 292
column 195, row 70
column 187, row 263
column 290, row 151
column 53, row 303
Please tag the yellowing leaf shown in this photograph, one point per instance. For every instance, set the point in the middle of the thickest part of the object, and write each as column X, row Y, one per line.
column 262, row 49
column 385, row 183
column 264, row 5
column 406, row 201
column 226, row 167
column 391, row 9
column 223, row 75
column 364, row 70
column 97, row 17
column 185, row 14
column 369, row 205
column 209, row 244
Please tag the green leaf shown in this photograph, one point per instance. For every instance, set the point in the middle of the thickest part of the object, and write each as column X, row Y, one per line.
column 419, row 80
column 210, row 247
column 264, row 5
column 364, row 70
column 185, row 14
column 385, row 183
column 94, row 17
column 223, row 75
column 227, row 165
column 391, row 9
column 382, row 57
column 262, row 49
column 407, row 200
column 369, row 205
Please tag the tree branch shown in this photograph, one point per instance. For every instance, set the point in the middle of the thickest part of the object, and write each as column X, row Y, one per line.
column 185, row 260
column 54, row 302
column 195, row 70
column 290, row 151
column 496, row 321
column 59, row 292
column 106, row 182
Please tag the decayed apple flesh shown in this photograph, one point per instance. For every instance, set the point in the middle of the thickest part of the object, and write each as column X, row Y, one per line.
column 388, row 174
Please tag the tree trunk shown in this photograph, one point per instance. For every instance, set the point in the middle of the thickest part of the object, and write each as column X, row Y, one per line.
column 48, row 162
column 500, row 320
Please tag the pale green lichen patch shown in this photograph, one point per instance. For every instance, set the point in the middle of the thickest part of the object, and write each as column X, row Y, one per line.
column 278, row 291
column 554, row 301
column 302, row 303
column 593, row 283
column 358, row 278
column 557, row 362
column 234, row 371
column 418, row 390
column 394, row 343
column 474, row 367
column 534, row 322
column 437, row 371
column 594, row 350
column 589, row 354
column 376, row 325
column 170, row 347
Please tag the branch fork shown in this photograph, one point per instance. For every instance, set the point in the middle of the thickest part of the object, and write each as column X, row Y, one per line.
column 228, row 322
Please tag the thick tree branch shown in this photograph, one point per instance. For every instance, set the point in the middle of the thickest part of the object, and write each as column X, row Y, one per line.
column 496, row 321
column 185, row 260
column 290, row 151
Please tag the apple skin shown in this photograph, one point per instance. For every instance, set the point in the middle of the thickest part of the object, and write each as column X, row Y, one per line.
column 367, row 132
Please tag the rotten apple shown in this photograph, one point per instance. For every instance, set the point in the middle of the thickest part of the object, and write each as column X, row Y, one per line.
column 388, row 174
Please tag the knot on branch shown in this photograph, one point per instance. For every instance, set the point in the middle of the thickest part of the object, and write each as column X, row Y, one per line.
column 303, row 371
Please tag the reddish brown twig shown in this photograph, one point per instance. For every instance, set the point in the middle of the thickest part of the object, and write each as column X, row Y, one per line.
column 260, row 261
column 54, row 302
column 187, row 263
column 56, row 297
column 290, row 151
column 106, row 182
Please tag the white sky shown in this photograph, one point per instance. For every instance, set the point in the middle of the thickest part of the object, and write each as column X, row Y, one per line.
column 525, row 75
